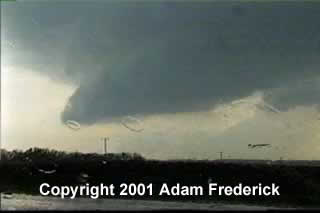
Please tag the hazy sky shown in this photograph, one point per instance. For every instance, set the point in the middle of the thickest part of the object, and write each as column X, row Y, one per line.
column 194, row 74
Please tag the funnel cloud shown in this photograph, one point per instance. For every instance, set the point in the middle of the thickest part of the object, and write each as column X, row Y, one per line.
column 159, row 57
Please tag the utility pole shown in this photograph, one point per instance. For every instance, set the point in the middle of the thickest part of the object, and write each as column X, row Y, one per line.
column 220, row 155
column 105, row 140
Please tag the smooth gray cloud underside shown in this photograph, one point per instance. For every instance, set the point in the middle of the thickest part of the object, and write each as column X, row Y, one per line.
column 151, row 58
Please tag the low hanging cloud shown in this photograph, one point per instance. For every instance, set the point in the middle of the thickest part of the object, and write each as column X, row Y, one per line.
column 305, row 92
column 145, row 59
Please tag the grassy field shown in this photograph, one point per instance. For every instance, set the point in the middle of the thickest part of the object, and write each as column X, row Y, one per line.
column 24, row 172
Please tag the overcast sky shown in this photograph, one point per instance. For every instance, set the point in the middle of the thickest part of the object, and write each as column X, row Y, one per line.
column 178, row 67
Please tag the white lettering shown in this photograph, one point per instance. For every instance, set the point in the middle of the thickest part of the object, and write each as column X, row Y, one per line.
column 41, row 191
column 212, row 187
column 164, row 189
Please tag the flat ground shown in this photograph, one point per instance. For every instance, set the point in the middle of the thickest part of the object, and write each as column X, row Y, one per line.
column 28, row 202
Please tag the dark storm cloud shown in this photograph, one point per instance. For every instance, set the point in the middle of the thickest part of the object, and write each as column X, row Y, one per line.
column 148, row 58
column 302, row 92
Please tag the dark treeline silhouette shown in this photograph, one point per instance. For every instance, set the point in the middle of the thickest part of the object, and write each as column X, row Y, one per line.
column 25, row 171
column 42, row 155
